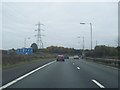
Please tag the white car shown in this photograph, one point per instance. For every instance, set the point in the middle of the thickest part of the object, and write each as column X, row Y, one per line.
column 76, row 57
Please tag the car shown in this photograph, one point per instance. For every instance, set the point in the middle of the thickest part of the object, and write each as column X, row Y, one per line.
column 76, row 57
column 60, row 58
column 66, row 57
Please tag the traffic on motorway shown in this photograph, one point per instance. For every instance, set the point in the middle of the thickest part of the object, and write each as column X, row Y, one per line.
column 72, row 72
column 63, row 57
column 59, row 44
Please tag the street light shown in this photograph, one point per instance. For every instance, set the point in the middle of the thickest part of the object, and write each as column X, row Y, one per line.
column 83, row 41
column 90, row 30
column 25, row 41
column 82, row 23
column 78, row 37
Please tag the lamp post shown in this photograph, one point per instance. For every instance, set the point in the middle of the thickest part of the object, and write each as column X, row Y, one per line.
column 25, row 41
column 78, row 37
column 83, row 41
column 90, row 32
column 83, row 53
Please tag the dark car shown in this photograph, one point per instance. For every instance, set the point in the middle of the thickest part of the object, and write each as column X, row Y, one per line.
column 60, row 58
column 66, row 57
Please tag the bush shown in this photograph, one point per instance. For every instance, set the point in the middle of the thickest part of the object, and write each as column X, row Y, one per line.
column 16, row 58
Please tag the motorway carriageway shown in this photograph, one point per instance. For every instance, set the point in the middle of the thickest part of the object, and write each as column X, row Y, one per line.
column 71, row 73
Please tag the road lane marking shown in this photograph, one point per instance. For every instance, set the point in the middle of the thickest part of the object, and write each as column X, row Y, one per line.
column 100, row 85
column 14, row 81
column 73, row 63
column 78, row 68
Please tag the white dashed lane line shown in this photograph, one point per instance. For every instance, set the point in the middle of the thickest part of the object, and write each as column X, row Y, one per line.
column 78, row 68
column 96, row 82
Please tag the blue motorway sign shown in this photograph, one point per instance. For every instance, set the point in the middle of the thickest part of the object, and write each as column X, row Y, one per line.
column 24, row 51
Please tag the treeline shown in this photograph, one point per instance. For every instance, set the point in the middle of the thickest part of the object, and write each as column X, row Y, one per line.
column 55, row 50
column 60, row 50
column 51, row 50
column 100, row 51
column 11, row 57
column 103, row 51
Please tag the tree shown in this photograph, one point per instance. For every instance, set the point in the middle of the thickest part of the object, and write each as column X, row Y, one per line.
column 103, row 51
column 34, row 47
column 62, row 50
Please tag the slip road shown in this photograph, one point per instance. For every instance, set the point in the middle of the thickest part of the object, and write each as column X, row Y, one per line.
column 68, row 74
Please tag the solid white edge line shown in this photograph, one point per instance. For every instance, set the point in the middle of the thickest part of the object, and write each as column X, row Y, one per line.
column 100, row 85
column 14, row 81
column 78, row 68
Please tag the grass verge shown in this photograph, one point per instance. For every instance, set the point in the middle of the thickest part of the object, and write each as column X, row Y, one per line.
column 26, row 62
column 108, row 64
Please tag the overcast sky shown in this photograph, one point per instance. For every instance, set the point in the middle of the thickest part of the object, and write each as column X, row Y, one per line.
column 61, row 23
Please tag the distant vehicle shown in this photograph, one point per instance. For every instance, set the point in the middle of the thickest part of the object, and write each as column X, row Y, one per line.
column 66, row 57
column 60, row 58
column 76, row 57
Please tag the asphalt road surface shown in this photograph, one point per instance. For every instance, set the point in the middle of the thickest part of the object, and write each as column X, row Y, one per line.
column 11, row 74
column 70, row 73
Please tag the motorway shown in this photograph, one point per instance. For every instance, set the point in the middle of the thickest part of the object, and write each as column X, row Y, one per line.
column 72, row 73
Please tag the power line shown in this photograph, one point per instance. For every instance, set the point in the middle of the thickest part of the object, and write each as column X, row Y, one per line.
column 39, row 35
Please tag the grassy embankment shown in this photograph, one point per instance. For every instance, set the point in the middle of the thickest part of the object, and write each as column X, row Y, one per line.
column 14, row 60
column 113, row 64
